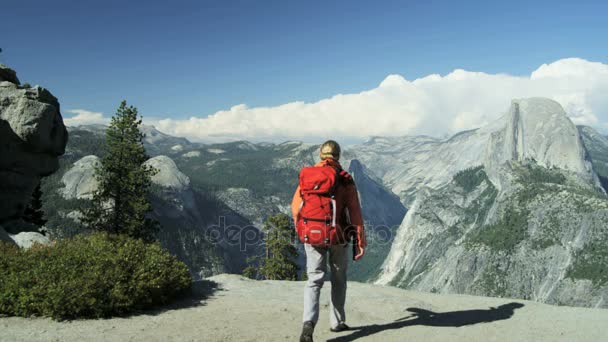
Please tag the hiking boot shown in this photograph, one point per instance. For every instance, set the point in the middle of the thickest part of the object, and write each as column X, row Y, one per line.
column 340, row 327
column 307, row 329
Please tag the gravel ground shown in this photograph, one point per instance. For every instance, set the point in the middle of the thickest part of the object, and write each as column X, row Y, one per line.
column 239, row 309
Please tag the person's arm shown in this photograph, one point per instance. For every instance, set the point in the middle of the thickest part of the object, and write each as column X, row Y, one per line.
column 356, row 219
column 296, row 202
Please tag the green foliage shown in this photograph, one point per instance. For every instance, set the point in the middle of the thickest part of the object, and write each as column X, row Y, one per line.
column 278, row 262
column 252, row 168
column 92, row 276
column 121, row 203
column 548, row 232
column 25, row 85
column 505, row 234
column 470, row 178
column 591, row 262
column 530, row 172
column 493, row 281
column 533, row 173
column 33, row 212
column 84, row 143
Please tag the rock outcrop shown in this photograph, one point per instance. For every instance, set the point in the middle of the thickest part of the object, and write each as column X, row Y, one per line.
column 537, row 129
column 174, row 188
column 79, row 181
column 596, row 146
column 168, row 176
column 32, row 137
column 528, row 221
column 8, row 75
column 381, row 208
column 186, row 221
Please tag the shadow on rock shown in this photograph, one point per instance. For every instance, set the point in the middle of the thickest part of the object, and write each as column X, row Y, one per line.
column 436, row 319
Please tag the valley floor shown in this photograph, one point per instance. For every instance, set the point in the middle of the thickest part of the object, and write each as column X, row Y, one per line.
column 238, row 309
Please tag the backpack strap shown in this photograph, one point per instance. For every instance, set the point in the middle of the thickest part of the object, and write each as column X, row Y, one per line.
column 346, row 176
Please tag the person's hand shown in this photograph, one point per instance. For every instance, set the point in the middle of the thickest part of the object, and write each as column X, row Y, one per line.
column 360, row 253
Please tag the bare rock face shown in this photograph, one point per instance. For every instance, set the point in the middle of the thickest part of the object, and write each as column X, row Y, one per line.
column 524, row 221
column 28, row 239
column 538, row 129
column 168, row 176
column 32, row 137
column 9, row 75
column 80, row 180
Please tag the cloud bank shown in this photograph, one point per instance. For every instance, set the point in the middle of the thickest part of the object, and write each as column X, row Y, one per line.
column 85, row 117
column 433, row 105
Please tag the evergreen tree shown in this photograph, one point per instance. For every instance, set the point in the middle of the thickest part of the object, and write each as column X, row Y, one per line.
column 278, row 262
column 121, row 203
column 33, row 212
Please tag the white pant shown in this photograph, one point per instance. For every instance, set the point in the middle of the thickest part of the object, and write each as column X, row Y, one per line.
column 316, row 268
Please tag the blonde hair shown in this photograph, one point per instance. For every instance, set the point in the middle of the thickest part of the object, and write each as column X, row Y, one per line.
column 330, row 149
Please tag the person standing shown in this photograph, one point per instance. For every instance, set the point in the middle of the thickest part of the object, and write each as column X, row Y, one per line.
column 327, row 215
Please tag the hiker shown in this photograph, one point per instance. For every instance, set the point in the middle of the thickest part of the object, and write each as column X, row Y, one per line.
column 327, row 215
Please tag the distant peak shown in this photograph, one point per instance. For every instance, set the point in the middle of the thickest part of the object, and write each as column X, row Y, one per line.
column 539, row 129
column 168, row 176
column 540, row 103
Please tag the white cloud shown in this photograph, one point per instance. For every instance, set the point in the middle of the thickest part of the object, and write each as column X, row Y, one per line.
column 85, row 117
column 434, row 105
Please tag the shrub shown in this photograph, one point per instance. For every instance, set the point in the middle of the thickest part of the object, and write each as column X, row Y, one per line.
column 470, row 178
column 92, row 276
column 591, row 263
column 504, row 235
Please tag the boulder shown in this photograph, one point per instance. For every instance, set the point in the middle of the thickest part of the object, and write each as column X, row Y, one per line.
column 9, row 75
column 28, row 239
column 32, row 137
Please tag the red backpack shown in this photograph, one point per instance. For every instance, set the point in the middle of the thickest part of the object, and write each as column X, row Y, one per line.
column 317, row 215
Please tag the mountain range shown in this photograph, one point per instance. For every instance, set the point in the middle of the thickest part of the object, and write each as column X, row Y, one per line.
column 516, row 208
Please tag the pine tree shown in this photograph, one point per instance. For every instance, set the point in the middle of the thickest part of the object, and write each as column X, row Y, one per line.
column 120, row 204
column 33, row 212
column 278, row 262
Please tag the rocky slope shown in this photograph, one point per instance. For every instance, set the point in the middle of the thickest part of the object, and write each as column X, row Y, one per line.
column 32, row 137
column 528, row 222
column 186, row 221
column 272, row 310
column 596, row 146
column 183, row 213
column 383, row 213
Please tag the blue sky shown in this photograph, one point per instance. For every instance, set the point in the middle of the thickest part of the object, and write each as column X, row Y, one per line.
column 176, row 59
